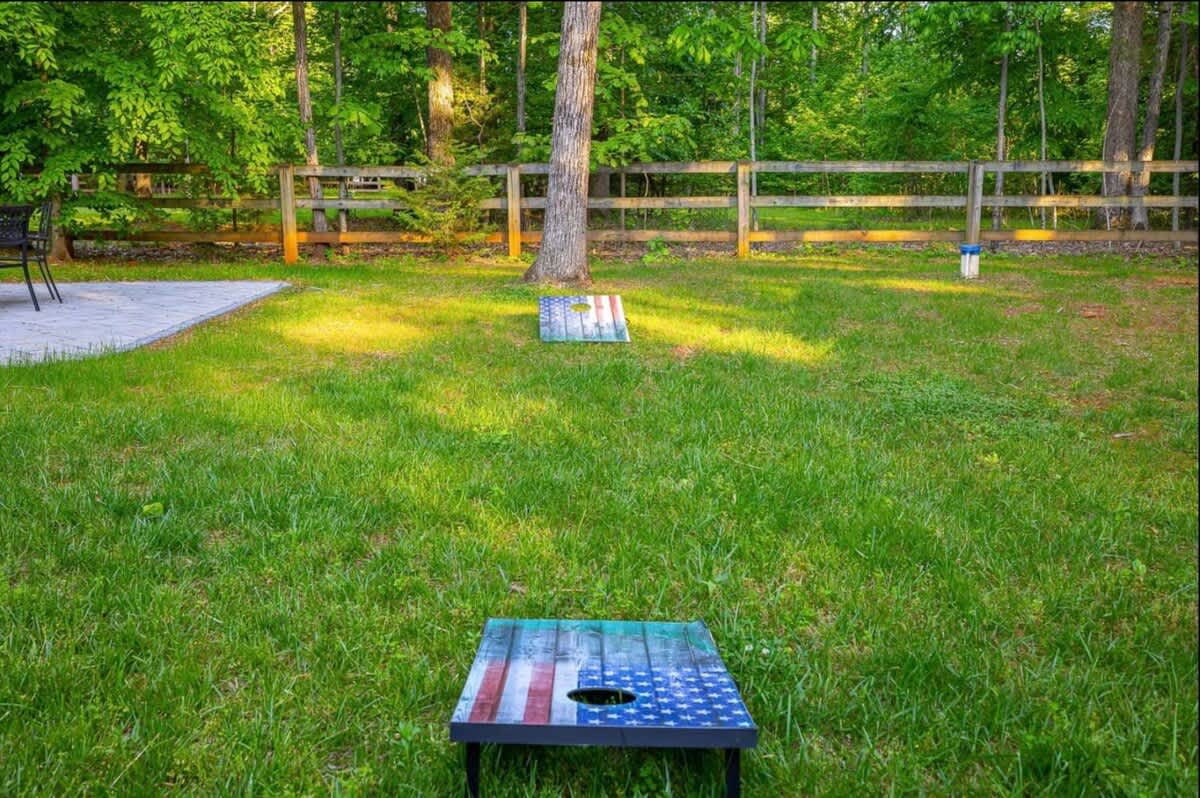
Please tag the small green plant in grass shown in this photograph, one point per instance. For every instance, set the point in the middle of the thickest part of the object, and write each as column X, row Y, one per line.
column 657, row 251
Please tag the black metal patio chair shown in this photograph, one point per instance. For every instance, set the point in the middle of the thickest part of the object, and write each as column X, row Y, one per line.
column 14, row 234
column 41, row 249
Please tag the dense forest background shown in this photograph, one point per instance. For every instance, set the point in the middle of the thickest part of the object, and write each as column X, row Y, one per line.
column 83, row 85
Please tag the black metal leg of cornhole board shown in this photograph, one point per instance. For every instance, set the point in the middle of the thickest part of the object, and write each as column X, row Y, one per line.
column 733, row 771
column 473, row 770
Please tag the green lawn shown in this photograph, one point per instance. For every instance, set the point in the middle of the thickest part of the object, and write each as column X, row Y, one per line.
column 944, row 533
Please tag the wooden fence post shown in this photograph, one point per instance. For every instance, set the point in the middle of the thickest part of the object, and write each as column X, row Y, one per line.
column 743, row 209
column 971, row 247
column 622, row 175
column 287, row 213
column 514, row 210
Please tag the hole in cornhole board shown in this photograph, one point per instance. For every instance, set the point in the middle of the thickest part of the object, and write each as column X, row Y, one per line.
column 602, row 696
column 581, row 307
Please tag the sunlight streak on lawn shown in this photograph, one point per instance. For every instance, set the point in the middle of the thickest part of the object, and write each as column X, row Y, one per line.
column 359, row 334
column 774, row 344
column 930, row 286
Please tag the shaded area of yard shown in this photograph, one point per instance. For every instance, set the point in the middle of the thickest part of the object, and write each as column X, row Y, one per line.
column 944, row 533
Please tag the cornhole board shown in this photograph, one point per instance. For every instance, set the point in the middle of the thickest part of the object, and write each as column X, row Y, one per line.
column 611, row 683
column 597, row 319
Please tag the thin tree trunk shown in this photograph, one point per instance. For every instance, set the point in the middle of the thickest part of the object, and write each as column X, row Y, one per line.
column 1141, row 181
column 1001, row 118
column 753, row 102
column 812, row 59
column 1124, row 55
column 319, row 223
column 522, row 40
column 1041, row 84
column 862, row 96
column 60, row 245
column 441, row 90
column 600, row 185
column 482, row 50
column 737, row 96
column 421, row 120
column 142, row 185
column 563, row 255
column 762, row 72
column 233, row 159
column 866, row 37
column 339, row 149
column 1178, row 153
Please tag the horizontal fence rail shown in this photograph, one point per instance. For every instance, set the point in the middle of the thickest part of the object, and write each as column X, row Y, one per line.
column 741, row 199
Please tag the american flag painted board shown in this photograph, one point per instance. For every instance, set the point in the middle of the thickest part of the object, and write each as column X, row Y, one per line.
column 683, row 697
column 599, row 318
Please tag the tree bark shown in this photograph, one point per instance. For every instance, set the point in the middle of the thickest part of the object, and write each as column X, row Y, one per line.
column 1001, row 118
column 600, row 185
column 866, row 38
column 1046, row 181
column 60, row 245
column 339, row 149
column 522, row 41
column 142, row 185
column 736, row 129
column 319, row 223
column 482, row 50
column 563, row 256
column 753, row 105
column 1141, row 181
column 762, row 71
column 1124, row 54
column 441, row 90
column 812, row 61
column 1178, row 153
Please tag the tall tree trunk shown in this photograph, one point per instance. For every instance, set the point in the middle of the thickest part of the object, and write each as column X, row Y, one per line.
column 522, row 40
column 142, row 185
column 812, row 60
column 736, row 131
column 233, row 159
column 339, row 149
column 441, row 90
column 319, row 223
column 1141, row 181
column 864, row 91
column 1046, row 180
column 600, row 185
column 762, row 72
column 563, row 256
column 753, row 106
column 1178, row 153
column 482, row 50
column 1001, row 118
column 1124, row 54
column 866, row 38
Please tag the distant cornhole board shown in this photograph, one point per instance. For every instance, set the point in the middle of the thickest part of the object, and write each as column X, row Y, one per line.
column 596, row 319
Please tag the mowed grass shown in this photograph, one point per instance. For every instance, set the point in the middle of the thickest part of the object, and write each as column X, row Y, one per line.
column 944, row 533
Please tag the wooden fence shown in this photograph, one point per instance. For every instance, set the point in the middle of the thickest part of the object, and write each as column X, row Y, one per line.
column 742, row 236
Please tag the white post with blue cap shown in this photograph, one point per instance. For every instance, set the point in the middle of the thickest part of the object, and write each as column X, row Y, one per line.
column 970, row 249
column 970, row 260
